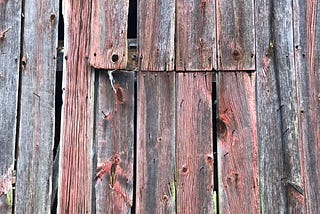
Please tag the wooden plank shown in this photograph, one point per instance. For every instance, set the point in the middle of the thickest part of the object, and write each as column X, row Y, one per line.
column 280, row 170
column 155, row 184
column 237, row 144
column 36, row 129
column 194, row 143
column 10, row 30
column 156, row 29
column 108, row 40
column 236, row 35
column 76, row 173
column 115, row 139
column 196, row 35
column 307, row 62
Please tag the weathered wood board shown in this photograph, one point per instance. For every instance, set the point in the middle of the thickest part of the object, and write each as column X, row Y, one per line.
column 155, row 181
column 235, row 35
column 307, row 64
column 10, row 31
column 76, row 173
column 156, row 31
column 196, row 35
column 194, row 143
column 237, row 143
column 279, row 161
column 36, row 128
column 108, row 38
column 115, row 142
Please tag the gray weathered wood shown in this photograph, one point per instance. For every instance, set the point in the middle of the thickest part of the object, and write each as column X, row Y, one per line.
column 115, row 138
column 194, row 143
column 10, row 30
column 108, row 38
column 155, row 184
column 196, row 35
column 156, row 29
column 280, row 173
column 76, row 173
column 307, row 62
column 236, row 35
column 237, row 143
column 36, row 129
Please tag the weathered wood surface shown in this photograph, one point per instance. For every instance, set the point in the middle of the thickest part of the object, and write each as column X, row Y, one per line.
column 307, row 62
column 237, row 143
column 196, row 35
column 10, row 30
column 156, row 30
column 280, row 173
column 155, row 184
column 235, row 35
column 108, row 40
column 194, row 143
column 76, row 173
column 36, row 128
column 115, row 139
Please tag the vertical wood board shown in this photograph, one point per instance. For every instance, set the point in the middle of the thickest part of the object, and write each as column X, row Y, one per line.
column 76, row 175
column 196, row 35
column 235, row 35
column 237, row 144
column 194, row 143
column 115, row 139
column 155, row 187
column 108, row 38
column 156, row 31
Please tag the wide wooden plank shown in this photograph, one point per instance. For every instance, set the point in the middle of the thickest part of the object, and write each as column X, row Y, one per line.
column 196, row 35
column 36, row 129
column 155, row 183
column 10, row 30
column 156, row 30
column 76, row 173
column 307, row 62
column 194, row 143
column 236, row 35
column 279, row 161
column 237, row 144
column 115, row 143
column 108, row 39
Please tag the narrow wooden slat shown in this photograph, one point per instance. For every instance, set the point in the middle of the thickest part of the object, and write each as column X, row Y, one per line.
column 10, row 30
column 236, row 35
column 194, row 143
column 75, row 175
column 279, row 161
column 108, row 40
column 237, row 144
column 36, row 132
column 115, row 139
column 196, row 35
column 155, row 183
column 307, row 52
column 156, row 29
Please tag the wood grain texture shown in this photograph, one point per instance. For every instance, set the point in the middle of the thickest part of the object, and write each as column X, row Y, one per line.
column 115, row 137
column 108, row 39
column 235, row 35
column 196, row 35
column 237, row 144
column 307, row 62
column 155, row 183
column 194, row 143
column 36, row 132
column 10, row 30
column 76, row 173
column 280, row 170
column 156, row 31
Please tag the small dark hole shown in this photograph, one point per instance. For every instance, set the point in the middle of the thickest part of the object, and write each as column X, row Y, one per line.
column 115, row 58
